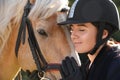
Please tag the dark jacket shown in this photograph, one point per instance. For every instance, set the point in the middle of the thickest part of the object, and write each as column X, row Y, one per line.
column 106, row 65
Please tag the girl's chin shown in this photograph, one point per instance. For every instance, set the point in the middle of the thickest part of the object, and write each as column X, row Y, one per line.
column 80, row 51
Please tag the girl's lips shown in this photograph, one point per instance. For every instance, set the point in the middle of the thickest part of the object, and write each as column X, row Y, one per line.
column 76, row 43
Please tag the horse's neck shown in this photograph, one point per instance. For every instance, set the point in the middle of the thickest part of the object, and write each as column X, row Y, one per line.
column 8, row 61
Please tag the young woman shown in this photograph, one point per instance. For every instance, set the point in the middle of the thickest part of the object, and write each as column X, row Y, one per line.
column 92, row 22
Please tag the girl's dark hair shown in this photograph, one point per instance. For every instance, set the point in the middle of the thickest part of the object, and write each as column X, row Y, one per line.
column 105, row 26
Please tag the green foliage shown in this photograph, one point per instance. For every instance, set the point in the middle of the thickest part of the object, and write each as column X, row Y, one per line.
column 70, row 2
column 116, row 36
column 117, row 2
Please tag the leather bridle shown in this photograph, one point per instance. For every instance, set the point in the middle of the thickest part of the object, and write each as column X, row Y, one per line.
column 40, row 61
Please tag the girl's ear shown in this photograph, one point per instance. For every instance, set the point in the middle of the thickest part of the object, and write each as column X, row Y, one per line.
column 105, row 34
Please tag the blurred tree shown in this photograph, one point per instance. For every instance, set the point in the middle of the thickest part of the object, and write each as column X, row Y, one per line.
column 116, row 36
column 117, row 2
column 70, row 2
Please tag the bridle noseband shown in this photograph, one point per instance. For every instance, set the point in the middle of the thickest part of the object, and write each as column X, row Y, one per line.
column 40, row 61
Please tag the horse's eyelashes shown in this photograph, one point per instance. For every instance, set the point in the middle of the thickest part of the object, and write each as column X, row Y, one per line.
column 42, row 32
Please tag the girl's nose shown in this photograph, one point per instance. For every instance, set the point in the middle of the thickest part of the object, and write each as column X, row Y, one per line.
column 74, row 35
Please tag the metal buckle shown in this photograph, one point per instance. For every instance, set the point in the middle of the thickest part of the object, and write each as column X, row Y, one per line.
column 41, row 75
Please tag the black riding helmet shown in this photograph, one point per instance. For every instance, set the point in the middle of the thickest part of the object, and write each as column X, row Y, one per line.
column 103, row 12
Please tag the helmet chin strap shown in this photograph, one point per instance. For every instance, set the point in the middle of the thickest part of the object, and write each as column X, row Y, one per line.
column 99, row 40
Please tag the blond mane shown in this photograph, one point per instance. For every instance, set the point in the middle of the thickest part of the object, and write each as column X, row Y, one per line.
column 11, row 13
column 7, row 13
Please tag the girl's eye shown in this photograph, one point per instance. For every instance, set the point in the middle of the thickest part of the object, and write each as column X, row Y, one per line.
column 42, row 32
column 81, row 30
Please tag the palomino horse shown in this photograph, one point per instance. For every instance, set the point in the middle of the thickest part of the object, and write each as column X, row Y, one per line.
column 53, row 40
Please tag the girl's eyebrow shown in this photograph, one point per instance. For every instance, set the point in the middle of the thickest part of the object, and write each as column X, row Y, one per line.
column 79, row 25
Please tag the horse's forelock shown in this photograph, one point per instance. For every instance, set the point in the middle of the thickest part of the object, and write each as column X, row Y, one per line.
column 42, row 9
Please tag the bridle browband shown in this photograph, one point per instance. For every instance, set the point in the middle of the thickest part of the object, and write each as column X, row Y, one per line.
column 40, row 61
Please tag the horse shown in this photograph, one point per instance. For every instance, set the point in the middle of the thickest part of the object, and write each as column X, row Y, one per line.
column 52, row 40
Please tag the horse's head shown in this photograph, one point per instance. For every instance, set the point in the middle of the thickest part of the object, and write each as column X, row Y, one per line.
column 53, row 40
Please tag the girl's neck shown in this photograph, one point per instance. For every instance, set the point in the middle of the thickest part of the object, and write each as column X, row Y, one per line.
column 92, row 57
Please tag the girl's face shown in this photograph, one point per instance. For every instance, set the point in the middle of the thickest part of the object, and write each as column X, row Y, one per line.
column 83, row 36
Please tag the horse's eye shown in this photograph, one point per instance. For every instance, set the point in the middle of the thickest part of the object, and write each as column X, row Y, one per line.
column 42, row 32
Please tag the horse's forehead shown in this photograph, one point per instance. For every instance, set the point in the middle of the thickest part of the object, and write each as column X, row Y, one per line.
column 47, row 23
